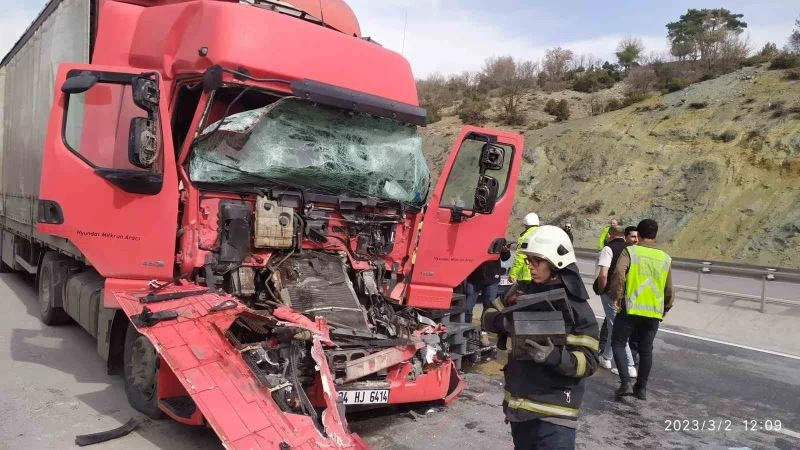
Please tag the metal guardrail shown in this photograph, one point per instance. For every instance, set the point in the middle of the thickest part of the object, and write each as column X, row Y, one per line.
column 765, row 274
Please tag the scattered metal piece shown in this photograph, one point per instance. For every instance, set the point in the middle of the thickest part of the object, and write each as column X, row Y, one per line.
column 96, row 438
column 155, row 298
column 148, row 318
column 222, row 306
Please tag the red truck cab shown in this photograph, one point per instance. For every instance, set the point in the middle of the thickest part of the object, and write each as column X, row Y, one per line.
column 246, row 183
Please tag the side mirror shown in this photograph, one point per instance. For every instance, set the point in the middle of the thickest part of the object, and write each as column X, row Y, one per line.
column 79, row 83
column 492, row 157
column 486, row 195
column 145, row 93
column 142, row 142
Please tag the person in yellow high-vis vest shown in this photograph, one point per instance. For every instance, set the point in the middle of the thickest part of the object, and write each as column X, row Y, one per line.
column 519, row 268
column 604, row 235
column 642, row 291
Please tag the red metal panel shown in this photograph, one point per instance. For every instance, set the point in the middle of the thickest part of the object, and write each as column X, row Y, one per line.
column 268, row 44
column 101, row 219
column 167, row 338
column 235, row 406
column 449, row 252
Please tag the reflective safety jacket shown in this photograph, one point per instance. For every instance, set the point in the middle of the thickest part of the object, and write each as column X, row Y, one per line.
column 519, row 270
column 552, row 390
column 647, row 277
column 603, row 237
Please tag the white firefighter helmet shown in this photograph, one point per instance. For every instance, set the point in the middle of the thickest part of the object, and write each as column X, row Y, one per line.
column 531, row 220
column 551, row 243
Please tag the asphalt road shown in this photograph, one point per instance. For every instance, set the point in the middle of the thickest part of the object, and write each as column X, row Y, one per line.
column 53, row 386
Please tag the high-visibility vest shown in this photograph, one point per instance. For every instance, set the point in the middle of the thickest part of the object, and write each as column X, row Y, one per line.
column 647, row 277
column 519, row 270
column 603, row 237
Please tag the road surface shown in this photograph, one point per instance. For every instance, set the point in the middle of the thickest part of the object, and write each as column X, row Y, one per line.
column 53, row 386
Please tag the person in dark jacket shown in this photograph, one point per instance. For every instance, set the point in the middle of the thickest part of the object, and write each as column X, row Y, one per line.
column 607, row 263
column 543, row 394
column 484, row 283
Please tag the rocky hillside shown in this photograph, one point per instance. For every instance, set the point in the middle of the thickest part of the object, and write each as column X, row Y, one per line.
column 717, row 164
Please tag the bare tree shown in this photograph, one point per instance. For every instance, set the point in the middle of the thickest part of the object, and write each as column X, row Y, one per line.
column 497, row 71
column 432, row 95
column 730, row 53
column 556, row 62
column 794, row 38
column 640, row 81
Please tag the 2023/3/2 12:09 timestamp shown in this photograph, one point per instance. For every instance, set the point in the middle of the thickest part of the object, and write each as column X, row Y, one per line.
column 722, row 425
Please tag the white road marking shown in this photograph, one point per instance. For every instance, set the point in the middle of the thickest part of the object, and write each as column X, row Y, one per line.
column 790, row 433
column 717, row 341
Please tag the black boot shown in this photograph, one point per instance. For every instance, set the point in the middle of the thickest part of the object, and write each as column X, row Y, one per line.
column 640, row 392
column 625, row 389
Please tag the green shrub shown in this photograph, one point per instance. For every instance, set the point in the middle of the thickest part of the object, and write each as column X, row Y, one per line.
column 473, row 109
column 593, row 80
column 538, row 125
column 434, row 114
column 550, row 107
column 785, row 60
column 613, row 105
column 792, row 75
column 593, row 207
column 632, row 97
column 726, row 136
column 562, row 111
column 676, row 84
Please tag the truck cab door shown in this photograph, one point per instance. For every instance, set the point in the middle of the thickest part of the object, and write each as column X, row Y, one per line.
column 467, row 214
column 109, row 183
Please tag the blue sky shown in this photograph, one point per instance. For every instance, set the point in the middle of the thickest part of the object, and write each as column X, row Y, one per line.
column 450, row 36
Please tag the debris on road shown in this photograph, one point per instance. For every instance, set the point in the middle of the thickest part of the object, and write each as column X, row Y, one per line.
column 103, row 436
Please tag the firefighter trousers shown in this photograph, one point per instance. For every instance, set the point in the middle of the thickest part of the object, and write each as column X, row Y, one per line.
column 540, row 435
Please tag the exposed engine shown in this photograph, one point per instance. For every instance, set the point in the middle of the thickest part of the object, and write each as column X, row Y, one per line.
column 328, row 258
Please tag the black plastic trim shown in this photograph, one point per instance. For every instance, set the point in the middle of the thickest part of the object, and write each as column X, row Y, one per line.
column 105, row 77
column 348, row 99
column 133, row 181
column 50, row 212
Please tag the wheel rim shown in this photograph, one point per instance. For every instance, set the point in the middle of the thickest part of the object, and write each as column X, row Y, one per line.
column 142, row 367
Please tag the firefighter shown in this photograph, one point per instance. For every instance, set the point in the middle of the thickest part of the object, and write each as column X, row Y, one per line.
column 519, row 269
column 543, row 394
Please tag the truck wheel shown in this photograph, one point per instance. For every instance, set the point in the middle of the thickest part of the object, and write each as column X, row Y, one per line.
column 141, row 374
column 51, row 291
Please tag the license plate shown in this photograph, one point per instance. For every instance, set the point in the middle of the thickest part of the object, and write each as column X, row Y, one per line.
column 364, row 397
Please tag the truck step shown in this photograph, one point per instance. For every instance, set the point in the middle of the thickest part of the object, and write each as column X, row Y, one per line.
column 182, row 406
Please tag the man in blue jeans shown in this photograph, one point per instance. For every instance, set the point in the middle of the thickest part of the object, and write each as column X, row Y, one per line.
column 607, row 262
column 484, row 283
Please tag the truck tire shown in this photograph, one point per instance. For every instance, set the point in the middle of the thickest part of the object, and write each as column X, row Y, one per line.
column 141, row 373
column 51, row 290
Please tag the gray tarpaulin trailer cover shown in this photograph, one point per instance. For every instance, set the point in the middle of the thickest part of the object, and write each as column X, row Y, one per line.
column 60, row 34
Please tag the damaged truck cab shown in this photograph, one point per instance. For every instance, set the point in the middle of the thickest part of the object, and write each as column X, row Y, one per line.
column 244, row 218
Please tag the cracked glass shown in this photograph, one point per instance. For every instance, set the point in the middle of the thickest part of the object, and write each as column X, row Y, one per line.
column 296, row 142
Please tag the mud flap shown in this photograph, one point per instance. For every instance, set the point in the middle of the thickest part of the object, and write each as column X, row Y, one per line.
column 240, row 410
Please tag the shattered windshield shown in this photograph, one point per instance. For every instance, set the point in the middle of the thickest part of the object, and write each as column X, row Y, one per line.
column 298, row 142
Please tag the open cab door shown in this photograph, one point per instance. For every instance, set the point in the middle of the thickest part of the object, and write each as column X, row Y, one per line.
column 467, row 215
column 109, row 183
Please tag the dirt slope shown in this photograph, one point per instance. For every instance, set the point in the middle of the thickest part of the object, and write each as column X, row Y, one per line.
column 717, row 164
